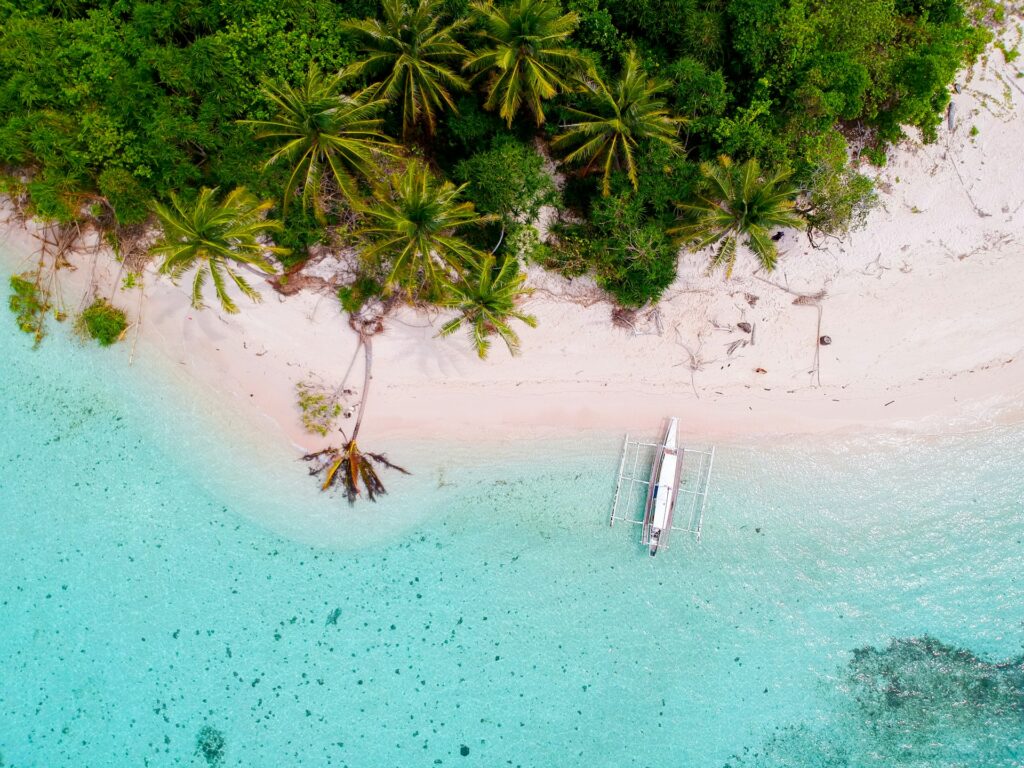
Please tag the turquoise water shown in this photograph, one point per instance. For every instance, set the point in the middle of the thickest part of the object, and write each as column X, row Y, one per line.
column 854, row 603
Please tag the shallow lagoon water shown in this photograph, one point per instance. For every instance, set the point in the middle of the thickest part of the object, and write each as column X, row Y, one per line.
column 163, row 604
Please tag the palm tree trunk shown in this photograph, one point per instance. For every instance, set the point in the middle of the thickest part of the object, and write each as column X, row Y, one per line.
column 500, row 240
column 367, row 342
column 348, row 371
column 253, row 270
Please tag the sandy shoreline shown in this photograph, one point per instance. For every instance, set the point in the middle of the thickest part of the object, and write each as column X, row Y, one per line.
column 924, row 309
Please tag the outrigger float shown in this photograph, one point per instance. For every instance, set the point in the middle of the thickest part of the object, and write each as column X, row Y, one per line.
column 677, row 488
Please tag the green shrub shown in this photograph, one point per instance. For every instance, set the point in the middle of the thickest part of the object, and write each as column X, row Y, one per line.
column 508, row 180
column 876, row 156
column 103, row 322
column 320, row 410
column 570, row 254
column 125, row 194
column 629, row 256
column 596, row 30
column 697, row 91
column 357, row 293
column 522, row 242
column 29, row 306
column 838, row 201
column 637, row 264
column 468, row 128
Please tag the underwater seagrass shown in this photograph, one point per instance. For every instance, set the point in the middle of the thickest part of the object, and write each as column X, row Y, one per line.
column 918, row 703
column 210, row 745
column 920, row 692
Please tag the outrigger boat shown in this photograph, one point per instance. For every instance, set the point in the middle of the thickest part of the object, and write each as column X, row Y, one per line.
column 663, row 489
column 675, row 473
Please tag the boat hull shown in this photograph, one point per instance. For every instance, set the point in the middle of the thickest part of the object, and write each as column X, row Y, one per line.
column 662, row 490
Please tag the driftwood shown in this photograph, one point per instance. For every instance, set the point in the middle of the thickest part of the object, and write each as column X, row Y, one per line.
column 807, row 300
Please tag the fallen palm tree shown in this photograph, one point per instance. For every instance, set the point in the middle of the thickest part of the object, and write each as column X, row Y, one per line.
column 347, row 466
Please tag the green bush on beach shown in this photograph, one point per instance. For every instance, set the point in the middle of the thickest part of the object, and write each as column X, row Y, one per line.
column 29, row 306
column 103, row 322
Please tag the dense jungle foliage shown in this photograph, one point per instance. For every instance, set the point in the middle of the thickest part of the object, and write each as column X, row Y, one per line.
column 709, row 122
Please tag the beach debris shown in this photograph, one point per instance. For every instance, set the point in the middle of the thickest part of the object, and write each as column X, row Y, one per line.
column 957, row 87
column 332, row 617
column 951, row 117
column 760, row 370
column 778, row 236
column 739, row 343
column 696, row 361
column 648, row 323
column 751, row 299
column 745, row 327
column 210, row 745
column 825, row 340
column 624, row 317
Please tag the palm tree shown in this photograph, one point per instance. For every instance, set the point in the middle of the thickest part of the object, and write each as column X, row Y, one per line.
column 213, row 236
column 740, row 202
column 348, row 465
column 626, row 114
column 486, row 300
column 415, row 54
column 320, row 130
column 526, row 59
column 411, row 226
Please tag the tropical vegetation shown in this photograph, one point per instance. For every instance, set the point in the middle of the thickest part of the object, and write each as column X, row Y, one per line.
column 103, row 322
column 526, row 57
column 213, row 236
column 416, row 56
column 411, row 232
column 324, row 137
column 641, row 125
column 626, row 115
column 740, row 202
column 486, row 300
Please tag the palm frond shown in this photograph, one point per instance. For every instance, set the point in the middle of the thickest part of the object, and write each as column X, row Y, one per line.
column 740, row 201
column 212, row 233
column 626, row 113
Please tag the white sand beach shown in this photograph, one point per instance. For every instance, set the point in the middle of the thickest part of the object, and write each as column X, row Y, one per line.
column 924, row 310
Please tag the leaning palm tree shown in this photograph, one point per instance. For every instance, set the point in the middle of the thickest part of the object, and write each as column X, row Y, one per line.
column 213, row 237
column 526, row 58
column 486, row 300
column 740, row 202
column 411, row 228
column 319, row 131
column 347, row 465
column 415, row 55
column 626, row 114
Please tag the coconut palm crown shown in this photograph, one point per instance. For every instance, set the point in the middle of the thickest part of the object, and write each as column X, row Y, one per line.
column 740, row 201
column 322, row 132
column 213, row 236
column 526, row 58
column 411, row 229
column 486, row 300
column 415, row 55
column 627, row 113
